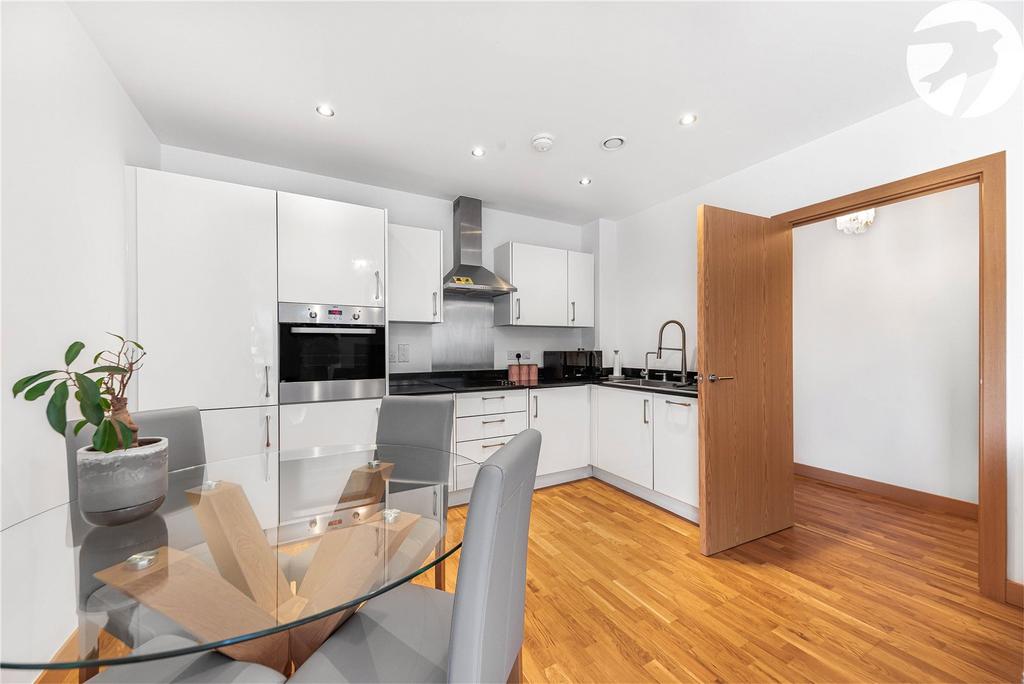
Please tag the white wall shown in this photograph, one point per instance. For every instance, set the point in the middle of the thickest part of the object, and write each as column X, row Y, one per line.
column 657, row 268
column 885, row 346
column 411, row 210
column 68, row 130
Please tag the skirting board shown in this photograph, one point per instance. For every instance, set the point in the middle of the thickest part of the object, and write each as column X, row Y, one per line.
column 1015, row 593
column 683, row 510
column 910, row 497
column 460, row 497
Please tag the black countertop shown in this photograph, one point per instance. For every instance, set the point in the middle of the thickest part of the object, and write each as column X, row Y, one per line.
column 412, row 384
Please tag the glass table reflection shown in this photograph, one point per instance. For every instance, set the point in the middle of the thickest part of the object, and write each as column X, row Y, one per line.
column 260, row 557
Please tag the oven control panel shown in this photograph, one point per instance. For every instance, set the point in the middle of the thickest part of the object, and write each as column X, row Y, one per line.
column 330, row 314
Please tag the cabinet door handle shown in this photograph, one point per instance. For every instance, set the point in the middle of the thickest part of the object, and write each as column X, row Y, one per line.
column 266, row 376
column 646, row 404
column 268, row 431
column 486, row 398
column 573, row 319
column 435, row 305
column 536, row 405
column 376, row 275
column 519, row 308
column 488, row 422
column 492, row 446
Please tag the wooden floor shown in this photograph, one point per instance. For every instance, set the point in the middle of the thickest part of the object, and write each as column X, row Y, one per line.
column 860, row 589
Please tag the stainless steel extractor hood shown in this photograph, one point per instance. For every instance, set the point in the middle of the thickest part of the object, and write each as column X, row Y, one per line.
column 469, row 277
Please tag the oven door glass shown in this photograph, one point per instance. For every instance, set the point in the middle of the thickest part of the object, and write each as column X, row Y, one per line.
column 331, row 352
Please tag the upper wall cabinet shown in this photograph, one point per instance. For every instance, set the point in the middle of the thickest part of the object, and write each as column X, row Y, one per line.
column 414, row 274
column 207, row 307
column 330, row 252
column 554, row 287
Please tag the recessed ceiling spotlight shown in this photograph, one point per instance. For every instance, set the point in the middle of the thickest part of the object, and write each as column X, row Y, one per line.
column 478, row 151
column 688, row 119
column 325, row 110
column 542, row 142
column 613, row 143
column 585, row 180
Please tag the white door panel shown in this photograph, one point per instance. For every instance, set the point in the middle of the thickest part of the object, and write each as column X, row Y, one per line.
column 329, row 423
column 581, row 289
column 539, row 274
column 676, row 468
column 414, row 274
column 625, row 434
column 562, row 415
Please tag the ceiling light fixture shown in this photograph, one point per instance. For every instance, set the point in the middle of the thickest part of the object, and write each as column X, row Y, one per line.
column 542, row 142
column 585, row 181
column 478, row 151
column 688, row 119
column 325, row 110
column 613, row 143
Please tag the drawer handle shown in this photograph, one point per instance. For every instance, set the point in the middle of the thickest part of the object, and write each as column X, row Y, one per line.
column 491, row 446
column 486, row 398
column 678, row 403
column 499, row 420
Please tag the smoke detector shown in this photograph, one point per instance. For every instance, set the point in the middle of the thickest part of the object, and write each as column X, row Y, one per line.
column 543, row 142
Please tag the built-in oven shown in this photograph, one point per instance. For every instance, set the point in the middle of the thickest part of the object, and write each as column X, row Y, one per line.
column 331, row 352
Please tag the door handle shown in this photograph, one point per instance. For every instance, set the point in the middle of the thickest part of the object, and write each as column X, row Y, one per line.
column 488, row 422
column 266, row 375
column 646, row 405
column 487, row 398
column 716, row 378
column 435, row 305
column 519, row 308
column 492, row 446
column 536, row 405
column 268, row 431
column 573, row 319
column 376, row 275
column 678, row 403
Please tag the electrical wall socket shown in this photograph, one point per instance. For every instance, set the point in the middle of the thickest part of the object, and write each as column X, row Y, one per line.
column 512, row 354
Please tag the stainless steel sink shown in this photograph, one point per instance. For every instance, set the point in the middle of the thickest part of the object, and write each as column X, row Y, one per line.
column 664, row 385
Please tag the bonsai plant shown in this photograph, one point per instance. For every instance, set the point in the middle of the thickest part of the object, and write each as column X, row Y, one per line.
column 99, row 391
column 120, row 477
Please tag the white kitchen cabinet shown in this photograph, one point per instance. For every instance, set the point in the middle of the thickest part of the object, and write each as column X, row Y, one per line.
column 676, row 468
column 580, row 282
column 330, row 252
column 328, row 423
column 486, row 403
column 207, row 295
column 625, row 434
column 414, row 275
column 539, row 275
column 482, row 427
column 232, row 433
column 562, row 416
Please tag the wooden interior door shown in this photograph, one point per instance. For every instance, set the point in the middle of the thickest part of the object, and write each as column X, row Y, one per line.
column 745, row 341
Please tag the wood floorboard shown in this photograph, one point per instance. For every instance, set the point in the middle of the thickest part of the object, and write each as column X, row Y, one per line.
column 860, row 589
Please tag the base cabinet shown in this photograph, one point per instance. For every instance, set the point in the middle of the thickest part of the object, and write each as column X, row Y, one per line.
column 329, row 422
column 625, row 434
column 562, row 416
column 676, row 467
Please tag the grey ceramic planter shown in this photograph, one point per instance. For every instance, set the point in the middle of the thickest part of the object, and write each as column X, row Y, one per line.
column 123, row 485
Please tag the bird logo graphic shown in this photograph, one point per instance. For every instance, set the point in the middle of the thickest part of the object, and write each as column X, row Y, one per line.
column 956, row 42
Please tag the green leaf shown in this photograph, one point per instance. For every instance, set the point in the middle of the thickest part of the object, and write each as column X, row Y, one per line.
column 29, row 380
column 72, row 353
column 36, row 391
column 139, row 346
column 57, row 409
column 80, row 424
column 116, row 370
column 105, row 438
column 96, row 359
column 105, row 403
column 89, row 399
column 121, row 339
column 125, row 433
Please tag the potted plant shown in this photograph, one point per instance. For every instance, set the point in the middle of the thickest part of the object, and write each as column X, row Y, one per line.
column 120, row 477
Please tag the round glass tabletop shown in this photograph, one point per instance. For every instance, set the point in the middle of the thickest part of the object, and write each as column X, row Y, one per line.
column 260, row 557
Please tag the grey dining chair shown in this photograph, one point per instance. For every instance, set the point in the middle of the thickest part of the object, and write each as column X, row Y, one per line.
column 100, row 547
column 416, row 634
column 423, row 422
column 207, row 667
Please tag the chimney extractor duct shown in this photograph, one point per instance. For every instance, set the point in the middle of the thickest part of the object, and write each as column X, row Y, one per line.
column 469, row 277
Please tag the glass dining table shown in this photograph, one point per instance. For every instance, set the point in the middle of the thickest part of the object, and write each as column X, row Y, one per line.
column 260, row 557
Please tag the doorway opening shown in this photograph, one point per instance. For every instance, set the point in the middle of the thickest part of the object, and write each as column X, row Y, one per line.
column 985, row 177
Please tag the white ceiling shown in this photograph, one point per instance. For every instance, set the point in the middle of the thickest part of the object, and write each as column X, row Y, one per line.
column 417, row 85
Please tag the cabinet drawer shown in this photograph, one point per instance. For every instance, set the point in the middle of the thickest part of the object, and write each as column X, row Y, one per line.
column 495, row 425
column 479, row 450
column 486, row 403
column 465, row 475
